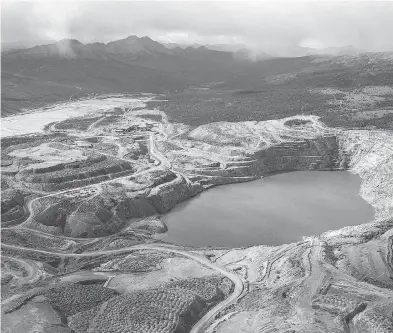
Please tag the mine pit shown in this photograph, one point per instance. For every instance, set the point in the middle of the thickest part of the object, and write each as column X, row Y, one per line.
column 277, row 209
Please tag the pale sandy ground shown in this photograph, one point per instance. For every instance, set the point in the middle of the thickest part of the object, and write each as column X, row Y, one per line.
column 49, row 155
column 34, row 122
column 171, row 269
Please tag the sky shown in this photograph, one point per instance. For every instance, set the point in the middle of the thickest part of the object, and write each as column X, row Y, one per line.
column 261, row 25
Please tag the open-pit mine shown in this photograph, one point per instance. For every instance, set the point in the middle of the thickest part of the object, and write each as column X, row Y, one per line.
column 87, row 187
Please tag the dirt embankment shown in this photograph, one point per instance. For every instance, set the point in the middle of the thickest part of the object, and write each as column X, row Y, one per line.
column 106, row 213
column 370, row 155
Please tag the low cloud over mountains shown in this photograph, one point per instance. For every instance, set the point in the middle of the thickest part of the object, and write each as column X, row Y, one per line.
column 272, row 27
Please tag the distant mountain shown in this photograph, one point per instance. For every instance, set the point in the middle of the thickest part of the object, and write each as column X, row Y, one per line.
column 287, row 51
column 136, row 45
column 133, row 45
column 179, row 45
column 197, row 63
column 300, row 51
column 72, row 48
column 132, row 64
column 18, row 45
column 232, row 48
column 227, row 47
column 337, row 51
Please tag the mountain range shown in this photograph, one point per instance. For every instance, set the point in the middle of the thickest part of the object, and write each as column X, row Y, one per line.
column 134, row 44
column 35, row 76
column 42, row 74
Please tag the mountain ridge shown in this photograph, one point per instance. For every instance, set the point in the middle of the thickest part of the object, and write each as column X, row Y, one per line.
column 71, row 48
column 70, row 69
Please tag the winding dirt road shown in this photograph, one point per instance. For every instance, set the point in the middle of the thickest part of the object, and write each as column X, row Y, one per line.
column 162, row 161
column 202, row 324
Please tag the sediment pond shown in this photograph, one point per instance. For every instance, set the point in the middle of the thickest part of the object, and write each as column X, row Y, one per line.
column 275, row 210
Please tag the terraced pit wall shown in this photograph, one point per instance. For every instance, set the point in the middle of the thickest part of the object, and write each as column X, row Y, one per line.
column 58, row 178
column 166, row 196
column 366, row 153
column 159, row 199
column 322, row 153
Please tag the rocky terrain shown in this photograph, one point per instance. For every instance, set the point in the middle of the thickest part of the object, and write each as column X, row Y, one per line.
column 80, row 209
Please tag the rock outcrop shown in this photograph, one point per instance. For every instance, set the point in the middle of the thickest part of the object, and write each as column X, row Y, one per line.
column 312, row 154
column 166, row 196
column 370, row 155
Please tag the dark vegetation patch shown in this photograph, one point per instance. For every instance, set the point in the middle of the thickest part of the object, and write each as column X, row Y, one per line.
column 131, row 263
column 26, row 238
column 347, row 120
column 72, row 264
column 4, row 184
column 119, row 240
column 100, row 282
column 154, row 117
column 12, row 206
column 92, row 139
column 93, row 170
column 51, row 259
column 247, row 92
column 143, row 148
column 64, row 75
column 21, row 91
column 138, row 108
column 6, row 278
column 78, row 123
column 11, row 265
column 296, row 122
column 206, row 287
column 29, row 140
column 215, row 105
column 177, row 304
column 274, row 101
column 169, row 146
column 107, row 148
column 5, row 163
column 11, row 198
column 109, row 120
column 68, row 298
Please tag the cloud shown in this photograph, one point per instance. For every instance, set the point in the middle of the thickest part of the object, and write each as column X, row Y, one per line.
column 267, row 25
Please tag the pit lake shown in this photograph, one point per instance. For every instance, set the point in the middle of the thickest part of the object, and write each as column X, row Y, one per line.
column 275, row 210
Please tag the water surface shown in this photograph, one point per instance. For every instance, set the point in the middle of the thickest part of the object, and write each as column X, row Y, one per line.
column 275, row 210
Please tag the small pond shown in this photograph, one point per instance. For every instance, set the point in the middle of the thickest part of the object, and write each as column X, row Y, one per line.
column 274, row 210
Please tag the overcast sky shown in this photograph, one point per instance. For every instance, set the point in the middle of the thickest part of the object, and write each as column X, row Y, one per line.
column 263, row 25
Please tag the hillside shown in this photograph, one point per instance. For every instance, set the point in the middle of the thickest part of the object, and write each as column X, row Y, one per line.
column 129, row 65
column 231, row 88
column 347, row 91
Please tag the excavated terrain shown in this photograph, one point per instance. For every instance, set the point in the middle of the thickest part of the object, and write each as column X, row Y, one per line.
column 81, row 202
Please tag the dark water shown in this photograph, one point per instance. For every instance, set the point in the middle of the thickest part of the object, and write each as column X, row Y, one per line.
column 275, row 210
